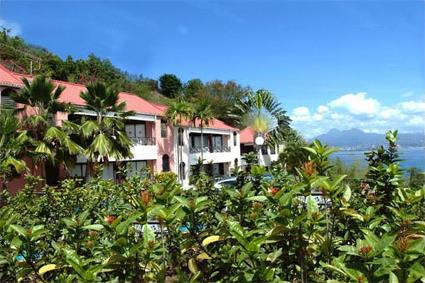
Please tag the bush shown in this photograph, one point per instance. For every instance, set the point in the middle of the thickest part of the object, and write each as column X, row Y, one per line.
column 312, row 227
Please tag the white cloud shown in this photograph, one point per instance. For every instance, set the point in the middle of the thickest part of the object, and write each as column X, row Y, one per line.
column 301, row 111
column 15, row 28
column 301, row 114
column 322, row 109
column 390, row 113
column 360, row 111
column 317, row 117
column 357, row 104
column 413, row 106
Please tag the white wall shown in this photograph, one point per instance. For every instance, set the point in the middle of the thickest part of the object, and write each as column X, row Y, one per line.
column 216, row 157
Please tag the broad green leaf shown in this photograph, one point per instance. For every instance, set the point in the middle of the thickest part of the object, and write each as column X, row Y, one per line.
column 96, row 227
column 148, row 234
column 393, row 278
column 416, row 271
column 351, row 212
column 312, row 206
column 203, row 256
column 210, row 239
column 183, row 201
column 192, row 266
column 257, row 198
column 310, row 150
column 101, row 144
column 274, row 255
column 417, row 246
column 347, row 195
column 21, row 230
column 47, row 268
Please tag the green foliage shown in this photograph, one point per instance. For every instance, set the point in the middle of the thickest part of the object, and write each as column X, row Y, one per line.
column 170, row 85
column 51, row 144
column 416, row 178
column 292, row 156
column 264, row 114
column 12, row 146
column 105, row 137
column 22, row 57
column 312, row 227
column 193, row 88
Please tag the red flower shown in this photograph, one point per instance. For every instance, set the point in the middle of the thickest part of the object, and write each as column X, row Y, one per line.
column 146, row 197
column 110, row 218
column 365, row 250
column 274, row 191
column 309, row 168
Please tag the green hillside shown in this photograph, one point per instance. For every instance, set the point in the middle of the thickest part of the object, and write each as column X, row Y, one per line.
column 23, row 57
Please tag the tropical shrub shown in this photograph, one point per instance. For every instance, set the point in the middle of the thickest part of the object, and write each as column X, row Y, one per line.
column 310, row 226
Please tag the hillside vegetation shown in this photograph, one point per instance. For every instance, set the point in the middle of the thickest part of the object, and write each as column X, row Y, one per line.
column 23, row 57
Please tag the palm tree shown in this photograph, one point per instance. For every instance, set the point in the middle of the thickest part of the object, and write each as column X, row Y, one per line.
column 264, row 114
column 177, row 113
column 105, row 137
column 13, row 142
column 51, row 144
column 204, row 114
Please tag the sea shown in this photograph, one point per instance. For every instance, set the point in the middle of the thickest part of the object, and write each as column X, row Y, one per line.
column 410, row 157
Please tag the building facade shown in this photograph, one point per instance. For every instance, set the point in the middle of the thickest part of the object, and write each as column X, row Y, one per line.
column 156, row 144
column 217, row 143
column 266, row 154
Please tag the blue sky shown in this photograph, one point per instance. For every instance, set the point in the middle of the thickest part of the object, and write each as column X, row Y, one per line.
column 345, row 56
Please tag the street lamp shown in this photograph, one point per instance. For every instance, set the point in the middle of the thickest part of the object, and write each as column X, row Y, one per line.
column 259, row 141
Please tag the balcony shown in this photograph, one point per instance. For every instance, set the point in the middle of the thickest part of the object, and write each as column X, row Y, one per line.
column 144, row 140
column 206, row 149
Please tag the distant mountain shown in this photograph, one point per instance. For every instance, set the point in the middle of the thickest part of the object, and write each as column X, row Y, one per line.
column 357, row 139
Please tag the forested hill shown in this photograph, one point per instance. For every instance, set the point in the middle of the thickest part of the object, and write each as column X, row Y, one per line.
column 23, row 57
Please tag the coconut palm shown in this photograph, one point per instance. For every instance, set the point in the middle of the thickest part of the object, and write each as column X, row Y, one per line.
column 51, row 143
column 13, row 142
column 204, row 114
column 105, row 137
column 264, row 114
column 177, row 113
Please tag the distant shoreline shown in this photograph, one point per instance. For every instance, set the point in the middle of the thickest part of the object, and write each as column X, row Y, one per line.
column 410, row 157
column 372, row 148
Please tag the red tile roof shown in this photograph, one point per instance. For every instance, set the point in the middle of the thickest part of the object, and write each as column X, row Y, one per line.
column 71, row 94
column 214, row 124
column 247, row 135
column 7, row 78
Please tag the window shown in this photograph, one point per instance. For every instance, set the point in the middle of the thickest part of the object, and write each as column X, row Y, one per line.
column 273, row 150
column 163, row 128
column 136, row 131
column 165, row 163
column 180, row 136
column 5, row 100
column 235, row 135
column 79, row 170
column 182, row 170
column 264, row 150
column 217, row 142
column 136, row 167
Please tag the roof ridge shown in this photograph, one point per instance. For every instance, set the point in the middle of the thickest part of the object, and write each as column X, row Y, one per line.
column 11, row 73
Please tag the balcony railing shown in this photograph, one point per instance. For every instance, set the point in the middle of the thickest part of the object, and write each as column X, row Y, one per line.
column 223, row 148
column 198, row 149
column 144, row 140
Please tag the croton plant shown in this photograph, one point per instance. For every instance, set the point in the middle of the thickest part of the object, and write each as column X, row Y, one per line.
column 310, row 226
